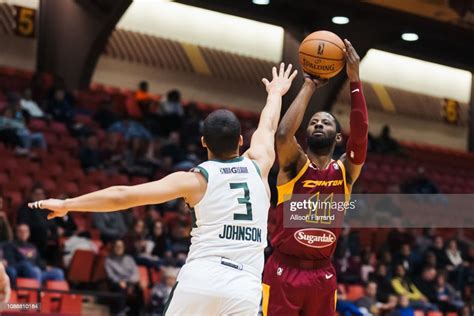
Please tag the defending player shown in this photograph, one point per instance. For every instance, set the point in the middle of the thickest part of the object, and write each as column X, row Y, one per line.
column 299, row 278
column 229, row 195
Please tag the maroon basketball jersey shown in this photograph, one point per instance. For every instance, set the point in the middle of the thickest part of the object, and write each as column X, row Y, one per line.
column 319, row 241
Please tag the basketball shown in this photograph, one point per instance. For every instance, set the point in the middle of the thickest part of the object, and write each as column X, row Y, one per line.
column 321, row 54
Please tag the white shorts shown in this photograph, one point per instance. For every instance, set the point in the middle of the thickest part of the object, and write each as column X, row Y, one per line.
column 215, row 286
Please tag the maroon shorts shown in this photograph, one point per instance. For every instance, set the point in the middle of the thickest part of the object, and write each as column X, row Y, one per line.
column 290, row 288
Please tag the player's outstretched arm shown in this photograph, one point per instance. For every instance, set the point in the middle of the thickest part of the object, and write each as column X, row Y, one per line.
column 291, row 156
column 188, row 185
column 263, row 139
column 356, row 149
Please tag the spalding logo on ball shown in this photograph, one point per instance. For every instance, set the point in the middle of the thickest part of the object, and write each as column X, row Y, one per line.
column 321, row 54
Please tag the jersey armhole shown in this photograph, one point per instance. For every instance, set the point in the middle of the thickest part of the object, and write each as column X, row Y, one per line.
column 202, row 171
column 285, row 190
column 256, row 167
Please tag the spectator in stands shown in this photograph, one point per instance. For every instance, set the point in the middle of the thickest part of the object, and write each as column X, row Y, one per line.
column 369, row 304
column 139, row 247
column 105, row 116
column 192, row 126
column 398, row 236
column 123, row 276
column 446, row 296
column 426, row 283
column 407, row 258
column 457, row 267
column 162, row 291
column 143, row 98
column 438, row 250
column 111, row 151
column 421, row 184
column 173, row 148
column 425, row 240
column 384, row 285
column 80, row 241
column 42, row 230
column 152, row 214
column 30, row 106
column 5, row 228
column 90, row 155
column 404, row 308
column 24, row 260
column 60, row 107
column 385, row 144
column 135, row 160
column 171, row 112
column 130, row 129
column 403, row 286
column 17, row 126
column 111, row 225
column 160, row 241
column 369, row 262
column 180, row 238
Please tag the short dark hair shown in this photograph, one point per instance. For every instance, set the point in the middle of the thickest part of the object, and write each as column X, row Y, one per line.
column 338, row 124
column 221, row 132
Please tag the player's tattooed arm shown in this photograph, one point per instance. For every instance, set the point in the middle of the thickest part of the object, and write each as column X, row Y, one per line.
column 188, row 185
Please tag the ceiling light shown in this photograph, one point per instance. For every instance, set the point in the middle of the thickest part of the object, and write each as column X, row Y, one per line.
column 410, row 37
column 261, row 2
column 340, row 20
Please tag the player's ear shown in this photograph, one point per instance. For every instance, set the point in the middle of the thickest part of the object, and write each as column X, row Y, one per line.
column 338, row 138
column 241, row 141
column 203, row 142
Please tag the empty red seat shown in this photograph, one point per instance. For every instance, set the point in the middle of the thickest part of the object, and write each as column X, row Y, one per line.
column 80, row 269
column 354, row 292
column 29, row 295
column 71, row 304
column 57, row 285
column 58, row 128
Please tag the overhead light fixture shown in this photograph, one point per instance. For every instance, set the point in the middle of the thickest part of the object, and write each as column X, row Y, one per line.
column 340, row 20
column 261, row 2
column 410, row 37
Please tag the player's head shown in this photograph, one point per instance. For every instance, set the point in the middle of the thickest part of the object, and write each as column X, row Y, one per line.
column 323, row 132
column 222, row 134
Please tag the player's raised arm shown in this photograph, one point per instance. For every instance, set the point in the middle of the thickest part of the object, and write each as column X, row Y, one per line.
column 263, row 139
column 356, row 149
column 188, row 185
column 291, row 156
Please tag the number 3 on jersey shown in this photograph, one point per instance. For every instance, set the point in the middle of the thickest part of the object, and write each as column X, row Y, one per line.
column 243, row 200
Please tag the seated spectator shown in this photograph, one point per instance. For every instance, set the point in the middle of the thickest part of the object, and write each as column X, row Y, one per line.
column 384, row 285
column 403, row 286
column 5, row 228
column 369, row 304
column 43, row 231
column 457, row 266
column 397, row 237
column 30, row 106
column 438, row 250
column 105, row 116
column 421, row 184
column 111, row 225
column 403, row 308
column 135, row 160
column 24, row 260
column 18, row 127
column 407, row 258
column 180, row 238
column 369, row 262
column 426, row 283
column 90, row 155
column 425, row 240
column 112, row 152
column 162, row 291
column 385, row 144
column 160, row 241
column 152, row 214
column 130, row 129
column 123, row 276
column 446, row 296
column 171, row 113
column 192, row 126
column 173, row 148
column 60, row 107
column 139, row 247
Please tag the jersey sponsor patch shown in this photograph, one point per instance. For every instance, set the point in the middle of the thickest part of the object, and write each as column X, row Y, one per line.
column 233, row 170
column 315, row 237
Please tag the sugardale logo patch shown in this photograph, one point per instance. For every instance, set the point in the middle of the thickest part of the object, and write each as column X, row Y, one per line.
column 315, row 237
column 233, row 170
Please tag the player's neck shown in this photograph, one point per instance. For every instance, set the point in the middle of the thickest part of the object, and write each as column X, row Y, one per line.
column 321, row 161
column 211, row 156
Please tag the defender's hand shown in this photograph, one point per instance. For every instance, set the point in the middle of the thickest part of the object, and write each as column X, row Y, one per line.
column 281, row 81
column 352, row 62
column 56, row 207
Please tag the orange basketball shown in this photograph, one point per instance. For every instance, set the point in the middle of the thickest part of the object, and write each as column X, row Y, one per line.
column 321, row 54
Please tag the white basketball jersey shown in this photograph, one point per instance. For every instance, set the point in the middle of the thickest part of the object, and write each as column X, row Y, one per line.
column 230, row 221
